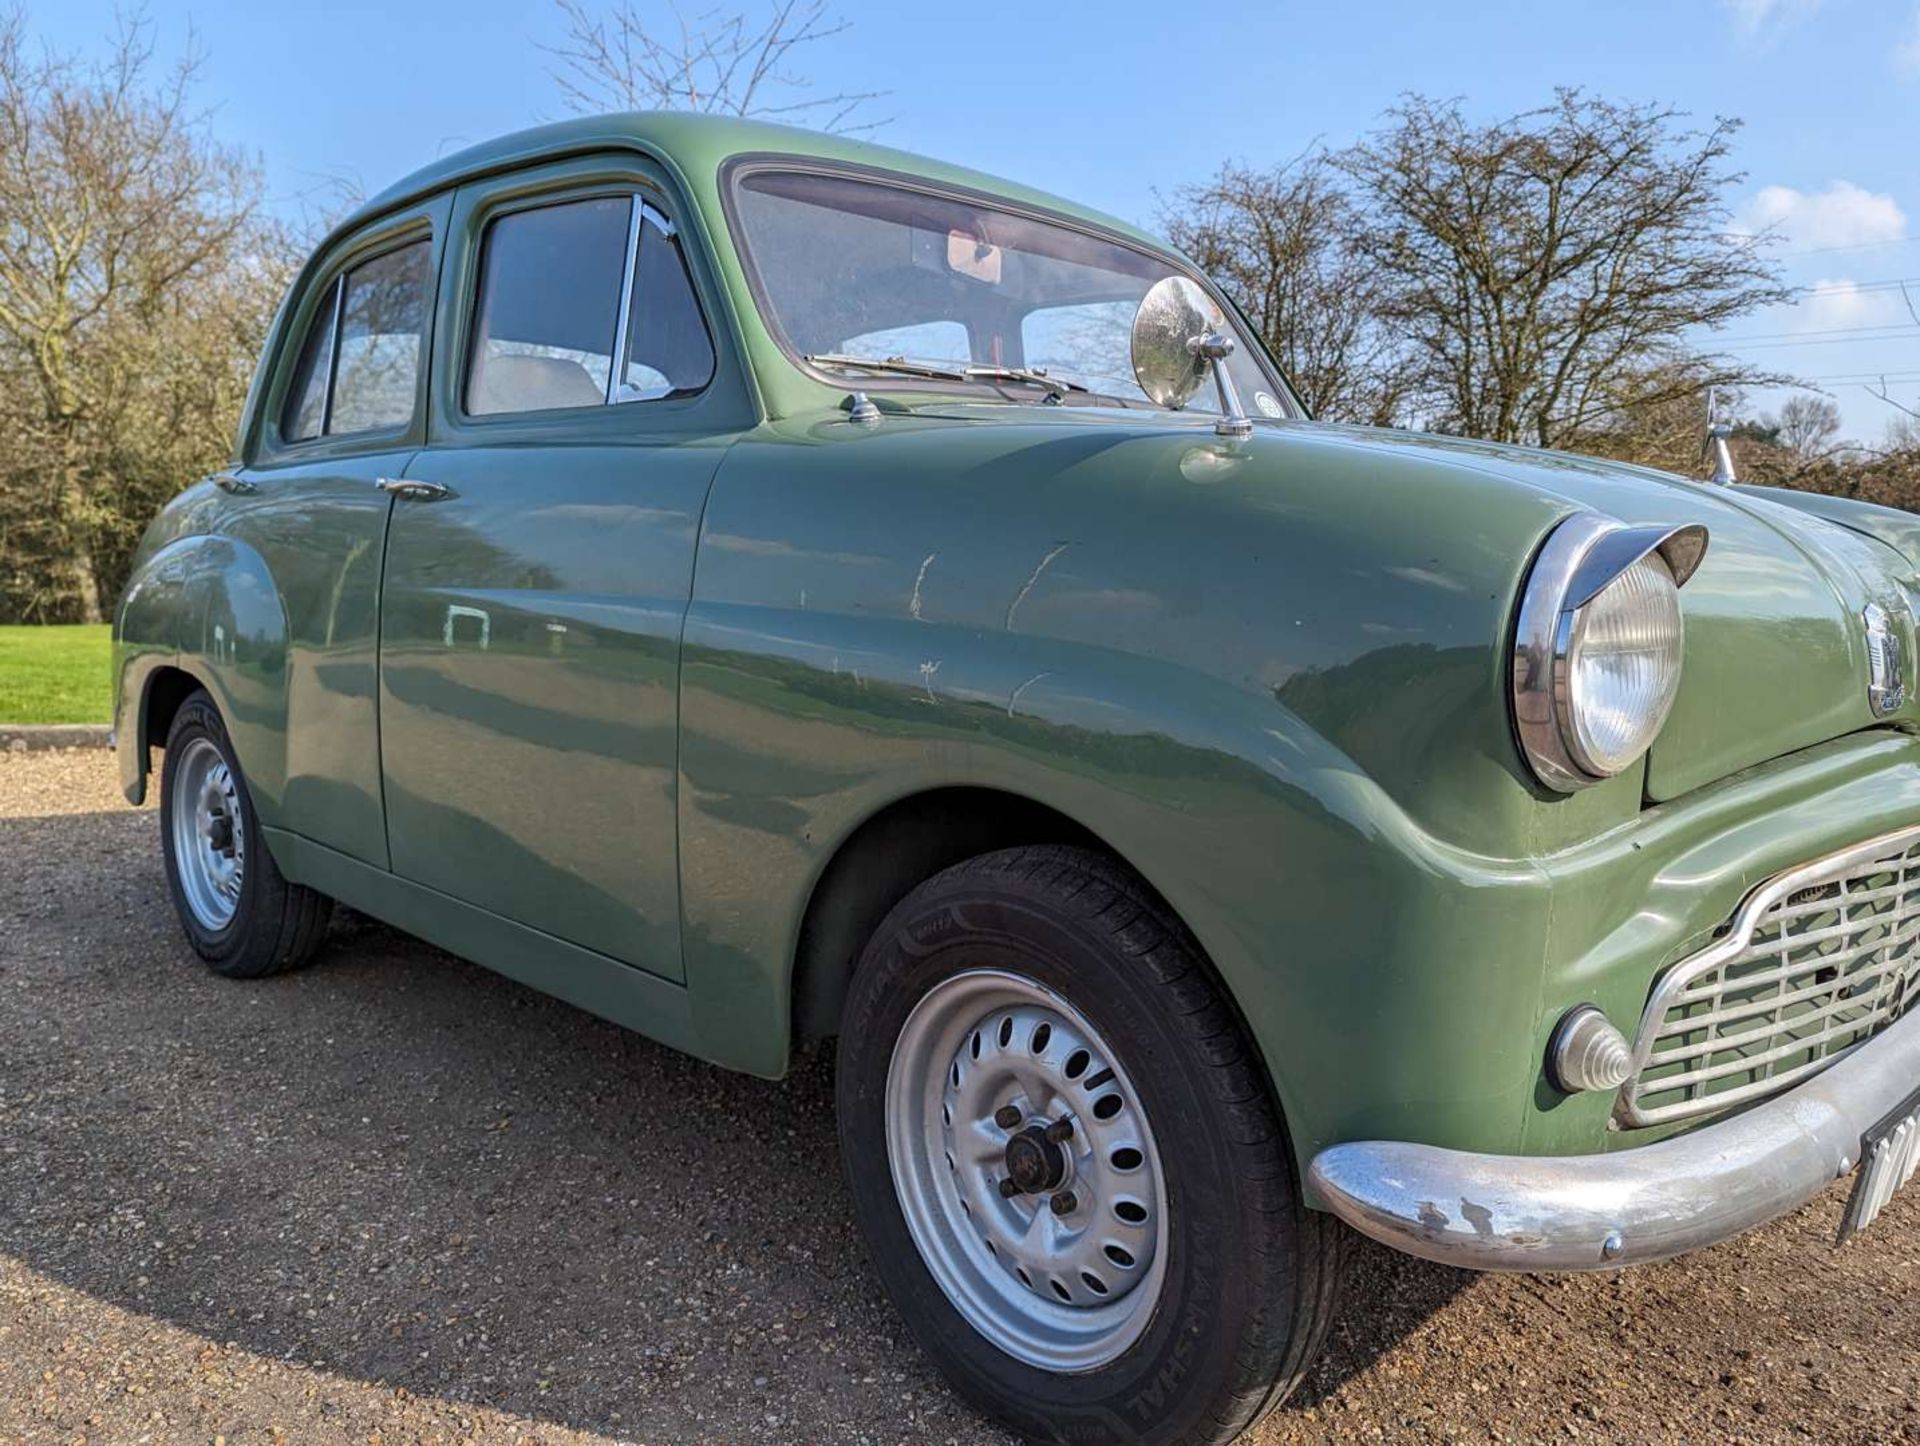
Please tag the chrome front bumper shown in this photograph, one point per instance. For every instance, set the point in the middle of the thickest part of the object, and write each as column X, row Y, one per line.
column 1595, row 1212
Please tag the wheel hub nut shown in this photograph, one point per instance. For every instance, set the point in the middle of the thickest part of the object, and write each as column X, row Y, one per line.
column 1035, row 1162
column 1065, row 1203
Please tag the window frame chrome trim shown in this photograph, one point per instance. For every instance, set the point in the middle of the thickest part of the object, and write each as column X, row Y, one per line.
column 1582, row 555
column 623, row 313
column 339, row 287
column 645, row 211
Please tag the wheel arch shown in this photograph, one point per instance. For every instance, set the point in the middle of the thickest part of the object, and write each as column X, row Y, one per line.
column 901, row 845
column 203, row 612
column 883, row 859
column 167, row 687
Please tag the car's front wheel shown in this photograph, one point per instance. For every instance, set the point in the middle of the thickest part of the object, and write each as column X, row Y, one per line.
column 1065, row 1159
column 241, row 915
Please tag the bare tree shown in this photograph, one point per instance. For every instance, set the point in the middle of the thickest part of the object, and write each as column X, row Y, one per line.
column 1280, row 242
column 1808, row 426
column 112, row 200
column 115, row 205
column 1670, row 432
column 643, row 56
column 1544, row 270
column 1885, row 394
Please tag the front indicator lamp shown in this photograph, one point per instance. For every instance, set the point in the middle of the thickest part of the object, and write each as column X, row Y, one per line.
column 1588, row 1053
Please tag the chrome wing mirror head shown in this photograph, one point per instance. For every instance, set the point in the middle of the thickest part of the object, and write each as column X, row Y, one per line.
column 1177, row 339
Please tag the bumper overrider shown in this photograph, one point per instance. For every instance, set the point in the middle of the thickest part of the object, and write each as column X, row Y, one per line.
column 1597, row 1212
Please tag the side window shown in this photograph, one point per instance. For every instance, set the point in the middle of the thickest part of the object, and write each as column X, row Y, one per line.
column 359, row 363
column 383, row 315
column 549, row 307
column 669, row 353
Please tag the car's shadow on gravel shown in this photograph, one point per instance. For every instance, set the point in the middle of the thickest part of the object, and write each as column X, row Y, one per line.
column 409, row 1170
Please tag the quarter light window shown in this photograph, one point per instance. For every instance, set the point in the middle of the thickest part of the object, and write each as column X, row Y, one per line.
column 307, row 397
column 668, row 351
column 359, row 365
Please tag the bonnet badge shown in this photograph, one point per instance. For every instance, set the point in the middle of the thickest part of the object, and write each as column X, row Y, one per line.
column 1886, row 685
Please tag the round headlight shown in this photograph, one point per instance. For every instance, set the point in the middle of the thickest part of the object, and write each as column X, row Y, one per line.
column 1623, row 667
column 1597, row 646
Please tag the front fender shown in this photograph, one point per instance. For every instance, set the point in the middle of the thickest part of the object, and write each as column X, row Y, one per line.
column 1275, row 849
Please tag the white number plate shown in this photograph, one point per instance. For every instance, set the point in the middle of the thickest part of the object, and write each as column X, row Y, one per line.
column 1889, row 1157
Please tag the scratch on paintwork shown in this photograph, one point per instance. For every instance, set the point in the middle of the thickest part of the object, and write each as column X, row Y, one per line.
column 913, row 604
column 1014, row 697
column 927, row 670
column 1021, row 596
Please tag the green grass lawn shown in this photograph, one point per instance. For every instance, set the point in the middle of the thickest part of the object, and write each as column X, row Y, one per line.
column 56, row 674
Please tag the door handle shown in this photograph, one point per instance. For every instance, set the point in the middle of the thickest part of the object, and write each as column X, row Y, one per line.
column 414, row 489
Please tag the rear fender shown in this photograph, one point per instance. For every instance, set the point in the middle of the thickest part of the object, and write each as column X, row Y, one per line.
column 207, row 606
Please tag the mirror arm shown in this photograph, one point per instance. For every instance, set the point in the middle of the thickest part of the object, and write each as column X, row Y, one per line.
column 1216, row 347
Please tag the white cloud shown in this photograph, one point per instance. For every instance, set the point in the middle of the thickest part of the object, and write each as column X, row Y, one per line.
column 1767, row 20
column 1842, row 215
column 1906, row 51
column 1838, row 304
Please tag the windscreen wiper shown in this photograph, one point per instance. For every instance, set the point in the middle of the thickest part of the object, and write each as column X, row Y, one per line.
column 898, row 365
column 1057, row 386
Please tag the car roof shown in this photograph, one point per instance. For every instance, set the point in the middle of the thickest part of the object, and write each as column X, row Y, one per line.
column 693, row 144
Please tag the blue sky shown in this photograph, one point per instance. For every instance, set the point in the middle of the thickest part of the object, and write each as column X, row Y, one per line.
column 1121, row 103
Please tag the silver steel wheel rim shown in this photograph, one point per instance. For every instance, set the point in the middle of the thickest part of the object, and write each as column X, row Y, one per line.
column 1063, row 1291
column 209, row 839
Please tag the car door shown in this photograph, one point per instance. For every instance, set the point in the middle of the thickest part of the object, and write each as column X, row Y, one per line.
column 540, row 558
column 344, row 408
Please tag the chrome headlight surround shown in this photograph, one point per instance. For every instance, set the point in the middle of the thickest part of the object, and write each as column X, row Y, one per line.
column 1583, row 557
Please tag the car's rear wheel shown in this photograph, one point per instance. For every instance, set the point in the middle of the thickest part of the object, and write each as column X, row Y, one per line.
column 1066, row 1162
column 240, row 914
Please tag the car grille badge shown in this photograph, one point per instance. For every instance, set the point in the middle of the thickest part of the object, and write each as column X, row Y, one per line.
column 1886, row 681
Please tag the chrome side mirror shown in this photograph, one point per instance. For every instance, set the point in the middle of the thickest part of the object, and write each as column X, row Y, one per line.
column 1715, row 444
column 1176, row 339
column 1716, row 447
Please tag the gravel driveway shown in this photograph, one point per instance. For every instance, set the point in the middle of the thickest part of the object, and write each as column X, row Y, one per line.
column 397, row 1198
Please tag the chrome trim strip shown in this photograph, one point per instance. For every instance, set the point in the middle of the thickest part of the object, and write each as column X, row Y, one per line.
column 333, row 350
column 1747, row 920
column 623, row 318
column 1595, row 1212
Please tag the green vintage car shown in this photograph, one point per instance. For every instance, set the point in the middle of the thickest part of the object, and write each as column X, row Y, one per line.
column 765, row 588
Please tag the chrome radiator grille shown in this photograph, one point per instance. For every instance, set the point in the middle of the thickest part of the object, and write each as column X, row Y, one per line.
column 1816, row 962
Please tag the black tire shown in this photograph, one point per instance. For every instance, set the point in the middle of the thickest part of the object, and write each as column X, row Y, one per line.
column 276, row 925
column 1252, row 1276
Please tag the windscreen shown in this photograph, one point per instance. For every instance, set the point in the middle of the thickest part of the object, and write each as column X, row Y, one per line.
column 852, row 268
